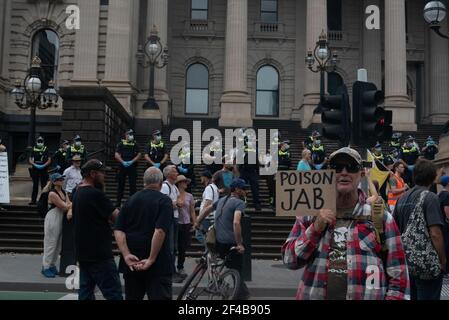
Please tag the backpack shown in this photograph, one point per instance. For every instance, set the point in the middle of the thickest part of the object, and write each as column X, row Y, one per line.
column 211, row 235
column 422, row 259
column 42, row 204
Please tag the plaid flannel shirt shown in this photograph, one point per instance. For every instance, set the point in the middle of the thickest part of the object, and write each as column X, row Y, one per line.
column 369, row 278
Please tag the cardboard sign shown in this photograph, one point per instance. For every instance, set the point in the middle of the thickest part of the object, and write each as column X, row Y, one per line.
column 4, row 178
column 305, row 193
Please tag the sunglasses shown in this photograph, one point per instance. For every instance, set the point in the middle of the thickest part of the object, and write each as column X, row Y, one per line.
column 350, row 168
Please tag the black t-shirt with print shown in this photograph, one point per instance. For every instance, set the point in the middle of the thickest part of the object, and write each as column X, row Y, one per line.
column 92, row 211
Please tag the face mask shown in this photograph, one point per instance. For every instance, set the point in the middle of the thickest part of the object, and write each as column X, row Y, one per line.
column 286, row 147
column 40, row 144
column 409, row 144
column 318, row 142
column 158, row 138
column 130, row 138
column 77, row 143
column 378, row 150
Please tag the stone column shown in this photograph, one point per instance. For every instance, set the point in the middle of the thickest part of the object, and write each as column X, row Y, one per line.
column 439, row 77
column 396, row 98
column 235, row 101
column 316, row 23
column 5, row 24
column 372, row 49
column 118, row 51
column 300, row 49
column 157, row 15
column 86, row 44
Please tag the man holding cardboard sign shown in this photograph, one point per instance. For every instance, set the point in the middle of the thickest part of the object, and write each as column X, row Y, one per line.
column 344, row 254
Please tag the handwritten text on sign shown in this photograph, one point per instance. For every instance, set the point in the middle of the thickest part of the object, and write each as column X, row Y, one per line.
column 303, row 193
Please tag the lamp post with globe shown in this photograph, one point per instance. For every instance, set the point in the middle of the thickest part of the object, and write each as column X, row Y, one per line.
column 434, row 14
column 29, row 94
column 321, row 60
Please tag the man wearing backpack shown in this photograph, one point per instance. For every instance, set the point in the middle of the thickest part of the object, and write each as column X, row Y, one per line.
column 419, row 218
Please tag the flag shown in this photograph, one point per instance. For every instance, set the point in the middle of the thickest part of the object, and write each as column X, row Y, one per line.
column 379, row 173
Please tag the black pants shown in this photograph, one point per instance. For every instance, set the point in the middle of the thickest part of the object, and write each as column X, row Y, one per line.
column 103, row 274
column 184, row 240
column 235, row 261
column 131, row 172
column 68, row 257
column 426, row 289
column 271, row 184
column 41, row 176
column 139, row 283
column 252, row 178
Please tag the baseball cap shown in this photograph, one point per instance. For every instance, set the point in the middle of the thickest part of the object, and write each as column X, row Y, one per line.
column 93, row 165
column 444, row 181
column 130, row 131
column 207, row 174
column 77, row 138
column 56, row 176
column 65, row 142
column 156, row 132
column 239, row 183
column 348, row 152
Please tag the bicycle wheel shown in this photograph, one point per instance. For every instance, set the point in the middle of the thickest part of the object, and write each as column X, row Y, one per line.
column 229, row 284
column 191, row 289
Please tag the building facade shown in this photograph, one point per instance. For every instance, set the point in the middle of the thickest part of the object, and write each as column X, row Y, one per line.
column 232, row 60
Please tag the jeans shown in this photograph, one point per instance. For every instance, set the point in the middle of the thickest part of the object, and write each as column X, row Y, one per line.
column 426, row 289
column 105, row 275
column 139, row 283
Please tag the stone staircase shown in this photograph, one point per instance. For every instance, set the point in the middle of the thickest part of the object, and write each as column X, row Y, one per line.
column 21, row 229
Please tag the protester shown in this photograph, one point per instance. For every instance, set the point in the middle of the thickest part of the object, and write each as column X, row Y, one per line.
column 187, row 218
column 397, row 185
column 306, row 162
column 72, row 175
column 59, row 205
column 223, row 178
column 127, row 155
column 93, row 214
column 156, row 152
column 338, row 249
column 142, row 235
column 419, row 218
column 229, row 211
column 169, row 188
column 444, row 204
column 39, row 161
column 210, row 195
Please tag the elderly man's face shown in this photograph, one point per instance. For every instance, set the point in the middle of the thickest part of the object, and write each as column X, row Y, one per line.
column 348, row 175
column 173, row 173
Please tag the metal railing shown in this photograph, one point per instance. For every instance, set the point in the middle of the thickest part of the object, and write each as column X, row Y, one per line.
column 335, row 35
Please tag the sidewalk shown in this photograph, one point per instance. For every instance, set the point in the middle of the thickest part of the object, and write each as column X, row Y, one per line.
column 270, row 279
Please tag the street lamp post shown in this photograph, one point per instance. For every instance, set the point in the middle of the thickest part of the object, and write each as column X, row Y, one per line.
column 434, row 14
column 157, row 57
column 29, row 94
column 326, row 62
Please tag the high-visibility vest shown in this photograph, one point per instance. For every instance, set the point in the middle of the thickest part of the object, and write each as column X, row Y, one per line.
column 393, row 198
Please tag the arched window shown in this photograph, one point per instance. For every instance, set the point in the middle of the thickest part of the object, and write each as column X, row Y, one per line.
column 267, row 97
column 197, row 89
column 46, row 47
column 334, row 81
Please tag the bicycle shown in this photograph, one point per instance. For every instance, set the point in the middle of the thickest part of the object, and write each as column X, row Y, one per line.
column 217, row 281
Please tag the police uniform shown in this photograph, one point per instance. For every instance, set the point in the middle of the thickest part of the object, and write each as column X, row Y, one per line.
column 59, row 160
column 186, row 169
column 430, row 152
column 410, row 156
column 284, row 163
column 318, row 155
column 156, row 152
column 73, row 150
column 40, row 157
column 250, row 173
column 308, row 143
column 127, row 151
column 214, row 167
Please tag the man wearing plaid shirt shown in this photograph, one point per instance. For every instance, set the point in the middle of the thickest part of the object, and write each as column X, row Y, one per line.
column 342, row 257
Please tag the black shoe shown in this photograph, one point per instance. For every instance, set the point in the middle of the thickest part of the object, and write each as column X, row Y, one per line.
column 32, row 203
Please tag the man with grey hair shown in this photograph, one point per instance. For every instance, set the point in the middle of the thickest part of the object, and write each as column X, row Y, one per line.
column 141, row 233
column 169, row 188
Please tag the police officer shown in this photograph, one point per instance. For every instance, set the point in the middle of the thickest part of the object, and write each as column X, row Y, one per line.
column 309, row 141
column 430, row 149
column 77, row 148
column 410, row 154
column 395, row 142
column 59, row 159
column 378, row 154
column 214, row 156
column 318, row 153
column 39, row 160
column 127, row 155
column 249, row 170
column 155, row 151
column 186, row 166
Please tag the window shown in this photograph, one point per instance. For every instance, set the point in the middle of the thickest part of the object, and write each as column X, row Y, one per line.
column 334, row 81
column 334, row 16
column 267, row 96
column 104, row 2
column 197, row 89
column 46, row 47
column 269, row 10
column 199, row 10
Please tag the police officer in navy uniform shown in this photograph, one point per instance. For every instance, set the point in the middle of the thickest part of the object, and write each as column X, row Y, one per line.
column 155, row 151
column 59, row 159
column 378, row 154
column 395, row 142
column 214, row 156
column 249, row 170
column 430, row 149
column 309, row 141
column 127, row 155
column 39, row 160
column 186, row 166
column 410, row 154
column 77, row 148
column 318, row 153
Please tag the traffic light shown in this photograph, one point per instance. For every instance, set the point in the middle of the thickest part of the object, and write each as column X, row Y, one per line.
column 336, row 117
column 371, row 123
